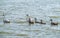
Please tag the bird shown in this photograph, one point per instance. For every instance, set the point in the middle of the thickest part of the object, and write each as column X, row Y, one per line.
column 53, row 23
column 36, row 20
column 41, row 22
column 30, row 21
column 6, row 21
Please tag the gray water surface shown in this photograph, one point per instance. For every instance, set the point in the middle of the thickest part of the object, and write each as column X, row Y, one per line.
column 16, row 10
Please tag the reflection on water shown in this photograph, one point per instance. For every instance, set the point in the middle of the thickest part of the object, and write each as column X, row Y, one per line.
column 16, row 10
column 18, row 30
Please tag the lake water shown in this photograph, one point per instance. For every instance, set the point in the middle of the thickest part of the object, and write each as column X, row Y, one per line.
column 16, row 10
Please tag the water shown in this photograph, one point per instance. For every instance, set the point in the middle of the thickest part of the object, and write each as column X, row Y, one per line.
column 16, row 10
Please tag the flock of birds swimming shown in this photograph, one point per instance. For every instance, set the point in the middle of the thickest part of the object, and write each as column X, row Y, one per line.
column 41, row 21
column 32, row 22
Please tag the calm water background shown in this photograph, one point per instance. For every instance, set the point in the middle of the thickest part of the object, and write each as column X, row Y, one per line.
column 16, row 10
